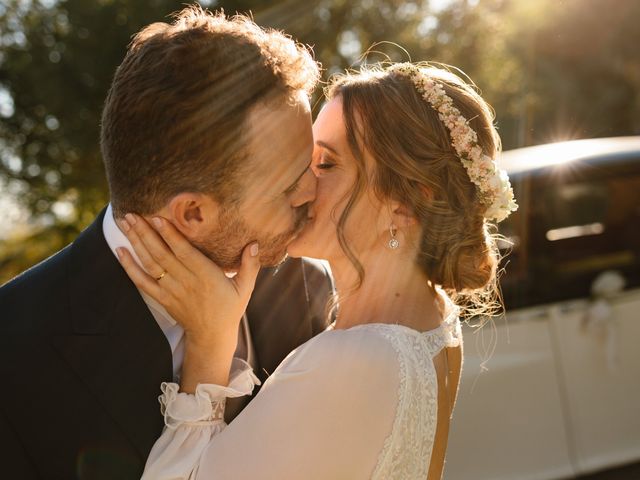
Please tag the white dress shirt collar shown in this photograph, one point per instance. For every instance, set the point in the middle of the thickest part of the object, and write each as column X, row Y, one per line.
column 116, row 239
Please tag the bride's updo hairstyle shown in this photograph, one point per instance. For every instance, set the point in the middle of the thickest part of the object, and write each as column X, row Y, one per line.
column 416, row 164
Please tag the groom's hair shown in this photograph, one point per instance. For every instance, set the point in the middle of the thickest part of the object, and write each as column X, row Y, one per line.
column 174, row 119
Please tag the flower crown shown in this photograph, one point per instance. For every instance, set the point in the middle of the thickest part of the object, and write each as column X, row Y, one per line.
column 493, row 183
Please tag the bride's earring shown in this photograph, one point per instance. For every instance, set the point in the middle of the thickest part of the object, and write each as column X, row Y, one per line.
column 393, row 243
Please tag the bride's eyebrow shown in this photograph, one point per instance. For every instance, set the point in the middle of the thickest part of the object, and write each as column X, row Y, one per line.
column 326, row 146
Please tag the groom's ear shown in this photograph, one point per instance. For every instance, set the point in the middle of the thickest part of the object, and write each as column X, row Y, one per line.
column 194, row 214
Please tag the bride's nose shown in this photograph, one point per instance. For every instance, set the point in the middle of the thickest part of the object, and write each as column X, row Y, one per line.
column 306, row 192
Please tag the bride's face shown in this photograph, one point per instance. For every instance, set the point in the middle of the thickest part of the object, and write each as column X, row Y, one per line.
column 336, row 171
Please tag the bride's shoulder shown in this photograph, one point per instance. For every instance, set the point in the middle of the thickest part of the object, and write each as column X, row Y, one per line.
column 351, row 348
column 343, row 349
column 366, row 335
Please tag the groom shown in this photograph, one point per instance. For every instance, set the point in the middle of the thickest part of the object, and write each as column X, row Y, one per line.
column 207, row 124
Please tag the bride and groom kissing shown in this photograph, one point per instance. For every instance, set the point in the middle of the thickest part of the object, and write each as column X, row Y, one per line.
column 215, row 170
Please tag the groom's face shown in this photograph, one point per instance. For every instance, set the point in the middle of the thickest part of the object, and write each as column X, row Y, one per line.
column 277, row 190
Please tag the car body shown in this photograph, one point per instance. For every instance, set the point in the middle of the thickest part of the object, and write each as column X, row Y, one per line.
column 552, row 389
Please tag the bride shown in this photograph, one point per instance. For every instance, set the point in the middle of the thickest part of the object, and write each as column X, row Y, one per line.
column 407, row 186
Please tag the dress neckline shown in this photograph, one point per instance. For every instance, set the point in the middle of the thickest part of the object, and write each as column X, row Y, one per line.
column 450, row 320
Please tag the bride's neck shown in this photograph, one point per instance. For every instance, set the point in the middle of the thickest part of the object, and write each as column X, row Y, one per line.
column 394, row 290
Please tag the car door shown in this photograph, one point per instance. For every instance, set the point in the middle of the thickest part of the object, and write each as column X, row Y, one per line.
column 589, row 234
column 560, row 394
column 509, row 419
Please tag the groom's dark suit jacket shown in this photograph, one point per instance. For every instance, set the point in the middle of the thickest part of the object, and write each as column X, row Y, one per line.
column 82, row 359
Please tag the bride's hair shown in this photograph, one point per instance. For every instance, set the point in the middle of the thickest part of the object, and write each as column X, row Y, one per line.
column 416, row 164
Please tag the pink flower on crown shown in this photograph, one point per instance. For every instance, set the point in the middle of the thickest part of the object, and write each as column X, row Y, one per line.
column 494, row 188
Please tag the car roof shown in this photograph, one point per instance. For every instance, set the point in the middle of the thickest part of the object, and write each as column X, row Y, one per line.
column 529, row 159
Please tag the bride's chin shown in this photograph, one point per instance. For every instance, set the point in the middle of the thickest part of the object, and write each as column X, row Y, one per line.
column 300, row 247
column 294, row 250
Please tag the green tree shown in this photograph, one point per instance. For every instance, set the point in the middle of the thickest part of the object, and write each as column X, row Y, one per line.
column 552, row 70
column 57, row 59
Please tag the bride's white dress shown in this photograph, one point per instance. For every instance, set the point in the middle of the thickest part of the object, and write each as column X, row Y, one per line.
column 359, row 403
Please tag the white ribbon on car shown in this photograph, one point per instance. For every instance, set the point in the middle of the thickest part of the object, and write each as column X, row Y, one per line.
column 599, row 320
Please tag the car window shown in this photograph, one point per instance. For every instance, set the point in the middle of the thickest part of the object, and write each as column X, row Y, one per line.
column 572, row 225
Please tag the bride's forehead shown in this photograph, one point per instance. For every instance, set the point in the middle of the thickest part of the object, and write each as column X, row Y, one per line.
column 329, row 125
column 331, row 110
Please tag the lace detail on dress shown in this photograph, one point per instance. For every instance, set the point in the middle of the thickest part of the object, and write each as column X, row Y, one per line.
column 406, row 453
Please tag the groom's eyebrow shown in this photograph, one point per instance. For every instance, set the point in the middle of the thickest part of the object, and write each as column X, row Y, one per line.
column 292, row 187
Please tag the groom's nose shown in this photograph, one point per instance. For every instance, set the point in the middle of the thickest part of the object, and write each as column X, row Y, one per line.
column 306, row 192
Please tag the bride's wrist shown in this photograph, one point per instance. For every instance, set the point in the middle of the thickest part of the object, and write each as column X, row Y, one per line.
column 202, row 367
column 207, row 360
column 211, row 343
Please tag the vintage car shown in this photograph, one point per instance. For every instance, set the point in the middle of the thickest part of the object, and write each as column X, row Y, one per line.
column 552, row 389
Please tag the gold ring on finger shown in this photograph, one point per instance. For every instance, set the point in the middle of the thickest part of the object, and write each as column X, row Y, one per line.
column 161, row 276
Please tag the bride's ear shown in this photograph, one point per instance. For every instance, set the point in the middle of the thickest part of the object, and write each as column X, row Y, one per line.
column 193, row 214
column 401, row 215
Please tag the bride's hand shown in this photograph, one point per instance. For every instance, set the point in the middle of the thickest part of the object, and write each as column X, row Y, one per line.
column 193, row 289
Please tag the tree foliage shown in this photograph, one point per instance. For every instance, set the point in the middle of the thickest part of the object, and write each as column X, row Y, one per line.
column 552, row 70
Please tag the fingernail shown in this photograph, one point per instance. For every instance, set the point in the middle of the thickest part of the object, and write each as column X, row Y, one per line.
column 157, row 221
column 130, row 218
column 124, row 225
column 254, row 250
column 120, row 252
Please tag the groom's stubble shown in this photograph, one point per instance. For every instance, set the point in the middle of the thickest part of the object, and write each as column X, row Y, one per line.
column 224, row 246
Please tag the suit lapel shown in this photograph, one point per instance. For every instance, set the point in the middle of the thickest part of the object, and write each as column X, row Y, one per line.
column 117, row 348
column 286, row 310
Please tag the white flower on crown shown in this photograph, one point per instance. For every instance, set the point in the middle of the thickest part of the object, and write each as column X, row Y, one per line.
column 494, row 188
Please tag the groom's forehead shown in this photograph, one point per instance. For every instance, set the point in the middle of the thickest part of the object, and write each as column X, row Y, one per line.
column 267, row 120
column 279, row 139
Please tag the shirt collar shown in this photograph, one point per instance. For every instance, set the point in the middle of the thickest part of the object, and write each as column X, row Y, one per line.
column 116, row 239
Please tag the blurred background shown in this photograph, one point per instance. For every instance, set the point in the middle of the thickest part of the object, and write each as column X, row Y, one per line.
column 554, row 70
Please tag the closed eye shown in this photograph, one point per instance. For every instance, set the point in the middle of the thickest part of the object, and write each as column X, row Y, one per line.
column 292, row 189
column 325, row 162
column 325, row 166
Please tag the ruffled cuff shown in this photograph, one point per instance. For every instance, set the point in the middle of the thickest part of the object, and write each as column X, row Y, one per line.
column 206, row 405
